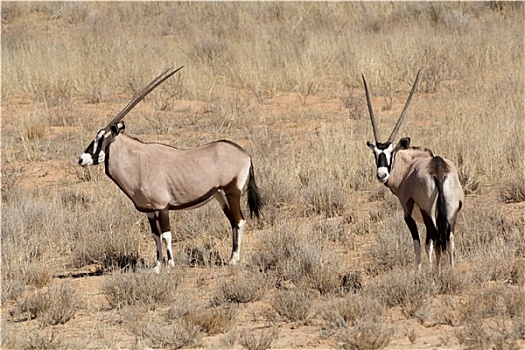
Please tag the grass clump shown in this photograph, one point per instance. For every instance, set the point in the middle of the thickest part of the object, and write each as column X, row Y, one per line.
column 244, row 286
column 367, row 334
column 404, row 289
column 43, row 340
column 345, row 312
column 212, row 321
column 293, row 305
column 57, row 305
column 258, row 340
column 513, row 191
column 170, row 336
column 141, row 288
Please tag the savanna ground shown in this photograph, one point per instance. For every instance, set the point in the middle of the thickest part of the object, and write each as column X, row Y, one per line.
column 330, row 264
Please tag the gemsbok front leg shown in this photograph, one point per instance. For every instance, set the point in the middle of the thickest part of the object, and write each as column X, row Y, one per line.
column 161, row 231
column 412, row 226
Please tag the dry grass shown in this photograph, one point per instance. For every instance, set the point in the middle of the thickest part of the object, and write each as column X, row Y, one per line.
column 283, row 80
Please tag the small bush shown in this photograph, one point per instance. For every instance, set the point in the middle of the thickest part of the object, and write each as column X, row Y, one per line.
column 244, row 286
column 58, row 305
column 369, row 334
column 479, row 335
column 393, row 248
column 258, row 340
column 343, row 313
column 293, row 305
column 170, row 336
column 513, row 191
column 143, row 288
column 212, row 321
column 404, row 289
column 43, row 340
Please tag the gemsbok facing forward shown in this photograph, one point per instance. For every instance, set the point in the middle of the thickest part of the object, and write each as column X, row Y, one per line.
column 427, row 186
column 159, row 178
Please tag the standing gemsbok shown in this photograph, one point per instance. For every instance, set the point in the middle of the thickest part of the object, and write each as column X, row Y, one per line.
column 159, row 178
column 427, row 186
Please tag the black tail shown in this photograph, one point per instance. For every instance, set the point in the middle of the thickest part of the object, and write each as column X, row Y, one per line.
column 254, row 198
column 443, row 227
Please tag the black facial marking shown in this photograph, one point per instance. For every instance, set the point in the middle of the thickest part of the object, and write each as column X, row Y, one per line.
column 383, row 146
column 382, row 161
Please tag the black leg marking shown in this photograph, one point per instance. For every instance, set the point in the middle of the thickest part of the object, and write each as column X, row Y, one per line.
column 412, row 226
column 164, row 220
column 432, row 233
column 154, row 226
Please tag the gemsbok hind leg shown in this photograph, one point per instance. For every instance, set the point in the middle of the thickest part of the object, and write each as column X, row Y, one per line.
column 432, row 235
column 161, row 231
column 231, row 206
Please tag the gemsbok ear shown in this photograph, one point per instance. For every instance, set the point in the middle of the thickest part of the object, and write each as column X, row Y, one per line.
column 370, row 145
column 404, row 143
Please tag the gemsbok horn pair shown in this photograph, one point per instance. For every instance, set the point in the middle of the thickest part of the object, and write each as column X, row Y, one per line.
column 427, row 187
column 159, row 178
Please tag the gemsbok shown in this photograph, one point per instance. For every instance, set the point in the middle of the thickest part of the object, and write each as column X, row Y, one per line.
column 427, row 187
column 159, row 178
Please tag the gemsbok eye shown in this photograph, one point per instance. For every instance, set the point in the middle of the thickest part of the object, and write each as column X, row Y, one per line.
column 427, row 187
column 159, row 178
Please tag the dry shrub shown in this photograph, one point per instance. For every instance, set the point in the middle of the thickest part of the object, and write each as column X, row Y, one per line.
column 212, row 321
column 28, row 227
column 484, row 336
column 244, row 286
column 294, row 252
column 170, row 336
column 393, row 248
column 43, row 340
column 494, row 301
column 451, row 282
column 258, row 340
column 513, row 190
column 293, row 305
column 343, row 313
column 490, row 242
column 368, row 333
column 141, row 288
column 401, row 288
column 440, row 311
column 55, row 306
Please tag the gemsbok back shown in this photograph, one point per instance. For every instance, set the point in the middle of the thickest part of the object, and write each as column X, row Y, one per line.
column 427, row 187
column 158, row 178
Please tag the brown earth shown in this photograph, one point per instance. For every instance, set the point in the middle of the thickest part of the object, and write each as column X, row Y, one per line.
column 99, row 327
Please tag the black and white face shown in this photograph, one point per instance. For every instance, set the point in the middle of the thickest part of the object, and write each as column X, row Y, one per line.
column 95, row 152
column 383, row 153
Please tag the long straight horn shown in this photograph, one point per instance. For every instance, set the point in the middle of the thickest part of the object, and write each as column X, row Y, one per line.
column 400, row 120
column 140, row 96
column 371, row 111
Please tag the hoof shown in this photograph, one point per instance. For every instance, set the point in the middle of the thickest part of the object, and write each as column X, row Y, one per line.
column 156, row 269
column 232, row 262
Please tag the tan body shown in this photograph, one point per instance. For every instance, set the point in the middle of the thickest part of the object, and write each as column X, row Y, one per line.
column 157, row 177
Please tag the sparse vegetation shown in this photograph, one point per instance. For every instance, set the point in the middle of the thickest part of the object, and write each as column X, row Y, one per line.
column 283, row 79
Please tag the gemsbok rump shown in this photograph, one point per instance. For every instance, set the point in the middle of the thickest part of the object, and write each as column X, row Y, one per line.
column 158, row 178
column 426, row 185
